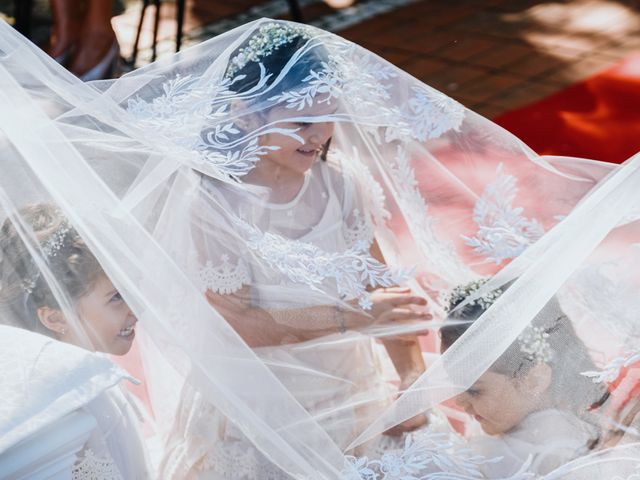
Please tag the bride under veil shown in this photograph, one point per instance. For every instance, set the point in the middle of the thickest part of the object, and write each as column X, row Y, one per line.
column 338, row 271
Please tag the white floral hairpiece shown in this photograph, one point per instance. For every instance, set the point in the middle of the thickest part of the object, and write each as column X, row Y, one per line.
column 535, row 345
column 533, row 341
column 269, row 38
column 50, row 249
column 461, row 292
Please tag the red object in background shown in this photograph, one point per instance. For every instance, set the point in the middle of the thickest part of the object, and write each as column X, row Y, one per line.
column 598, row 118
column 626, row 388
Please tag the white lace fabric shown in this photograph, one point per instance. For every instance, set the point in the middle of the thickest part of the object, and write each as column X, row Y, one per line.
column 92, row 467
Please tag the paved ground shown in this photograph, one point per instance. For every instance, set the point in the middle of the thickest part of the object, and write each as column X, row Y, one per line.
column 492, row 55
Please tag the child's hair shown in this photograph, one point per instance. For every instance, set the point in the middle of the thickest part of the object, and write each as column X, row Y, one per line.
column 273, row 45
column 560, row 348
column 67, row 256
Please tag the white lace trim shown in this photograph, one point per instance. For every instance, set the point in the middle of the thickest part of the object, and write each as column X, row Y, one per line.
column 301, row 262
column 503, row 231
column 360, row 230
column 440, row 254
column 186, row 105
column 244, row 462
column 181, row 111
column 225, row 277
column 373, row 193
column 425, row 456
column 92, row 467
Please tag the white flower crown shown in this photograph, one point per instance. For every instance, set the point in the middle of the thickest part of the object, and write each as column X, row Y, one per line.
column 533, row 341
column 268, row 38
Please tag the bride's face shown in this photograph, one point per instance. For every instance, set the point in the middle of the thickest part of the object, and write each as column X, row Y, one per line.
column 498, row 402
column 292, row 154
column 106, row 319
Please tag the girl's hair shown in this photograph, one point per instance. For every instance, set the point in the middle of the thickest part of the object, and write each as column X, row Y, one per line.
column 67, row 256
column 275, row 61
column 568, row 357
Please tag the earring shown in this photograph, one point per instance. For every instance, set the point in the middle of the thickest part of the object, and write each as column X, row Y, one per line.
column 63, row 331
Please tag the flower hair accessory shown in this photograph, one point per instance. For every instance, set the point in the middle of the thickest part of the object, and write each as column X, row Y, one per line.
column 533, row 341
column 461, row 292
column 268, row 39
column 50, row 249
column 534, row 344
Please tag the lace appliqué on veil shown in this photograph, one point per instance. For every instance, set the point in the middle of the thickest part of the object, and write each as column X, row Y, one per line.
column 427, row 456
column 224, row 278
column 503, row 232
column 185, row 108
column 360, row 231
column 611, row 371
column 440, row 255
column 352, row 270
column 365, row 85
column 92, row 467
column 242, row 462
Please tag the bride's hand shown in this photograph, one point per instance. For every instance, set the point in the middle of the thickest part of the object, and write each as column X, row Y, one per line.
column 397, row 304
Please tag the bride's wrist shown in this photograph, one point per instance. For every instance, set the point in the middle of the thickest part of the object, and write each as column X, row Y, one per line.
column 357, row 321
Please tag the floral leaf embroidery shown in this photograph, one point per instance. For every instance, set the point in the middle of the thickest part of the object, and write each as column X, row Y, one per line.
column 503, row 232
column 427, row 456
column 440, row 255
column 352, row 270
column 611, row 371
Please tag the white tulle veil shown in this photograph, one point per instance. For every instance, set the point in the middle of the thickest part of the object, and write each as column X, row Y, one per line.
column 255, row 296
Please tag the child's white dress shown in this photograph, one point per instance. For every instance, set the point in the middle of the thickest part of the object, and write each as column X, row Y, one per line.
column 332, row 371
column 45, row 380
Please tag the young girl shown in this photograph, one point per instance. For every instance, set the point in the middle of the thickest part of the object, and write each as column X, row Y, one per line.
column 299, row 194
column 72, row 300
column 532, row 403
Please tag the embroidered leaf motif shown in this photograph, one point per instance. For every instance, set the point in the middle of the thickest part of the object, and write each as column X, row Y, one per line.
column 225, row 277
column 352, row 270
column 427, row 456
column 611, row 371
column 503, row 232
column 196, row 121
column 93, row 467
column 441, row 256
column 322, row 82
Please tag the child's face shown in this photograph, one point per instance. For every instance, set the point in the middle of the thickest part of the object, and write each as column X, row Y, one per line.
column 293, row 155
column 106, row 318
column 497, row 402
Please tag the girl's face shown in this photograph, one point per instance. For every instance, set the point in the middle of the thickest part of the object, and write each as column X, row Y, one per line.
column 106, row 318
column 498, row 402
column 292, row 155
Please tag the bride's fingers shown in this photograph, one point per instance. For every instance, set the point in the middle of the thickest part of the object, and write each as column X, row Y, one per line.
column 398, row 300
column 396, row 289
column 400, row 314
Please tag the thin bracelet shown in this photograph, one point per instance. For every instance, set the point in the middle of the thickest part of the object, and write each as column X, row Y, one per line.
column 340, row 319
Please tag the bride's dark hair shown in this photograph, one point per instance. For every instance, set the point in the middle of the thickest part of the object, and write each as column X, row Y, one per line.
column 569, row 355
column 275, row 62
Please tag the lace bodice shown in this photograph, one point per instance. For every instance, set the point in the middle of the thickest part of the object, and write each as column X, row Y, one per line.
column 93, row 467
column 328, row 212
